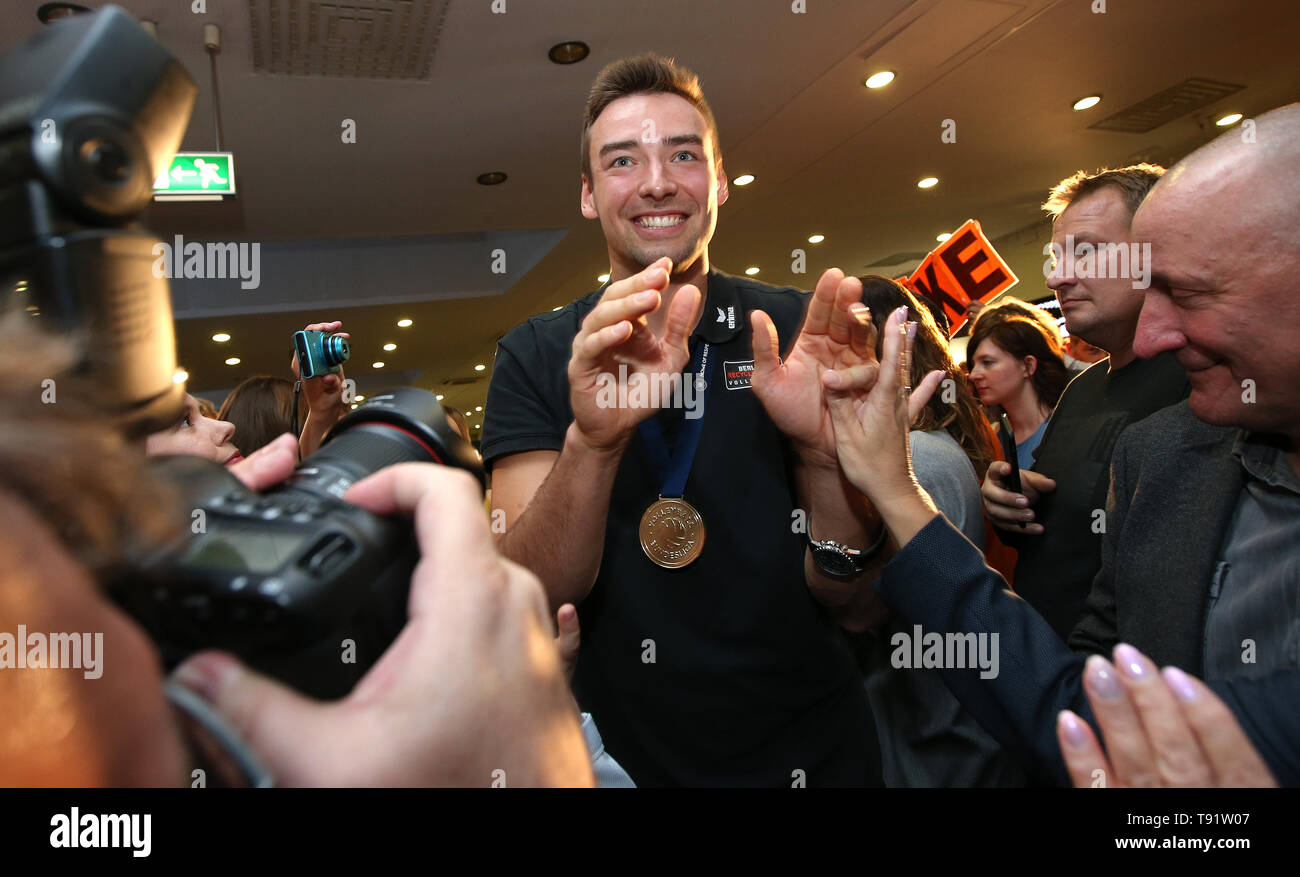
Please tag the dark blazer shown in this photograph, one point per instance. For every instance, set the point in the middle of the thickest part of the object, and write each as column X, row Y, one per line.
column 1174, row 488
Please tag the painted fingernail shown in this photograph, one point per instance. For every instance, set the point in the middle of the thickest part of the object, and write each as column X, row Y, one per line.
column 911, row 330
column 1074, row 733
column 1180, row 683
column 1027, row 515
column 1129, row 660
column 1022, row 500
column 900, row 315
column 1101, row 678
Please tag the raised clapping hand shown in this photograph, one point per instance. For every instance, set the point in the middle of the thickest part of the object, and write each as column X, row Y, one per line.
column 616, row 333
column 1162, row 728
column 472, row 685
column 829, row 338
column 871, row 413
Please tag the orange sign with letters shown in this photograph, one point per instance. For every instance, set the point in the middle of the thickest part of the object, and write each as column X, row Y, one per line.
column 962, row 269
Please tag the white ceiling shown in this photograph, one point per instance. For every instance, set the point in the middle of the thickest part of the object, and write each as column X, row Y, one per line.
column 395, row 225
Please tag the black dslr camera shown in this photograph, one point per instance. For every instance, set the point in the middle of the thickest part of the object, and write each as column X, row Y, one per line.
column 296, row 582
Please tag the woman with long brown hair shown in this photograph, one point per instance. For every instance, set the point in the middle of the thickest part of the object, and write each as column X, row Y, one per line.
column 261, row 408
column 1016, row 364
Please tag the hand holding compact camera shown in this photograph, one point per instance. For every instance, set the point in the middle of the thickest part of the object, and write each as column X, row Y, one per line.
column 320, row 350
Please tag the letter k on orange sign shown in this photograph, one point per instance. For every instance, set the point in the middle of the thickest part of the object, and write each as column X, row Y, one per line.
column 962, row 269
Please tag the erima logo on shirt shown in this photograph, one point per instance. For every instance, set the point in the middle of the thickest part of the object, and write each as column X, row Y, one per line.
column 729, row 316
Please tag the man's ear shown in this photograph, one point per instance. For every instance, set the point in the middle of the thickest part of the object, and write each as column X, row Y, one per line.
column 1031, row 366
column 722, row 184
column 587, row 201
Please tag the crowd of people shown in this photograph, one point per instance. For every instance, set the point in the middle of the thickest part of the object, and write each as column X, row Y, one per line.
column 742, row 586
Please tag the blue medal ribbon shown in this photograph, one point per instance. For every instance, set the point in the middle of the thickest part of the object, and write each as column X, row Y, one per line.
column 672, row 472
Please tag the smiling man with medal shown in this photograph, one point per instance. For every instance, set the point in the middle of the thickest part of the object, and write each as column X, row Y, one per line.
column 663, row 468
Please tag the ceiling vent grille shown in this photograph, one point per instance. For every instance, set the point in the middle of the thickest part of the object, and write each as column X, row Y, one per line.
column 1172, row 103
column 353, row 39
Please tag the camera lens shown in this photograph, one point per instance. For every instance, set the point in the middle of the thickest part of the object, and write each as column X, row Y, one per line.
column 336, row 350
column 403, row 425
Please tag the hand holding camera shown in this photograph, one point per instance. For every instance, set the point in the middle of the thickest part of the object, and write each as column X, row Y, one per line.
column 477, row 653
column 320, row 350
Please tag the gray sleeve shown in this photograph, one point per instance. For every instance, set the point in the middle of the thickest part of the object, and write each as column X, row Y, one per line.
column 946, row 473
column 609, row 773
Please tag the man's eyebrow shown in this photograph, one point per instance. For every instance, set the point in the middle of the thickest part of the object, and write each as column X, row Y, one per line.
column 675, row 140
column 1185, row 282
column 617, row 147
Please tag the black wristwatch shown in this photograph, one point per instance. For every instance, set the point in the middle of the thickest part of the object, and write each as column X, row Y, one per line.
column 835, row 559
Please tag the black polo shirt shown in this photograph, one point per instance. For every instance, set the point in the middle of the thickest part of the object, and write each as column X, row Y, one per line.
column 725, row 672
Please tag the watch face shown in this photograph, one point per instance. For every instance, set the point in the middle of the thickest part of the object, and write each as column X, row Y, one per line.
column 834, row 562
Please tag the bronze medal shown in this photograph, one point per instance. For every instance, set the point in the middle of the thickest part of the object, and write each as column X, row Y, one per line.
column 672, row 533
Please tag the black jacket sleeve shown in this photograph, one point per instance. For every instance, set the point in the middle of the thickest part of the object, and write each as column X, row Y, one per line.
column 939, row 581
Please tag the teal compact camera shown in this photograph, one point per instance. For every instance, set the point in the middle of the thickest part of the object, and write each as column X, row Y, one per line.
column 319, row 353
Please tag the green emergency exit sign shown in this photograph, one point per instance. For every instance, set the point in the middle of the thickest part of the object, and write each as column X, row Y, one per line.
column 198, row 173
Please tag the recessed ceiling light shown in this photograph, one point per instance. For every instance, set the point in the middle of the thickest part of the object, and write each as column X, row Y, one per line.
column 943, row 237
column 1087, row 103
column 492, row 178
column 221, row 337
column 476, row 426
column 439, row 397
column 390, row 346
column 927, row 183
column 359, row 398
column 880, row 80
column 404, row 322
column 568, row 52
column 1228, row 119
column 478, row 408
column 816, row 239
column 751, row 270
column 376, row 365
column 743, row 180
column 234, row 360
column 602, row 277
column 480, row 367
column 180, row 376
column 354, row 406
column 557, row 307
